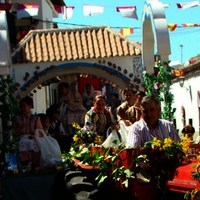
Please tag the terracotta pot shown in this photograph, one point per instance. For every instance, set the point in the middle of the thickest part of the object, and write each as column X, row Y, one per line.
column 96, row 149
column 126, row 158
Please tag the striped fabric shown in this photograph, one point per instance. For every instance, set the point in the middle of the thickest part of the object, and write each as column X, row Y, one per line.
column 139, row 133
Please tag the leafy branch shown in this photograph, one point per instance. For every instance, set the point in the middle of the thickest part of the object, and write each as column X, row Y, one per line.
column 158, row 85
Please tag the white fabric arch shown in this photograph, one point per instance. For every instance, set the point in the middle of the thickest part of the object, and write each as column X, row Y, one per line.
column 155, row 34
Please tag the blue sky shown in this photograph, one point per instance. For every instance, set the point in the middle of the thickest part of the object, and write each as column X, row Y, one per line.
column 189, row 38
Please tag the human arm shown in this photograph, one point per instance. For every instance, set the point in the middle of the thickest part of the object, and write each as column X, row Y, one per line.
column 18, row 126
column 38, row 123
column 91, row 118
column 61, row 129
column 134, row 136
column 173, row 133
column 122, row 114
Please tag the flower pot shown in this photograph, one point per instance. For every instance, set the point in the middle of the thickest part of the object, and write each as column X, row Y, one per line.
column 96, row 149
column 126, row 158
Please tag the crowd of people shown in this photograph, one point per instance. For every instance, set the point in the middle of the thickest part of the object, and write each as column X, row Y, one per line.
column 137, row 112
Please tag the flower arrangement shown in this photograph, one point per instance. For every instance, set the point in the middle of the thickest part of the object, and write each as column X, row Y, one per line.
column 157, row 160
column 160, row 158
column 83, row 141
column 194, row 194
column 85, row 135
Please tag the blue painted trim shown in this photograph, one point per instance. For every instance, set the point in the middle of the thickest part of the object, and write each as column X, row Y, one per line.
column 74, row 64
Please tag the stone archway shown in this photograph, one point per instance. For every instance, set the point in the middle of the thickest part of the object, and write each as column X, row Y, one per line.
column 99, row 70
column 154, row 33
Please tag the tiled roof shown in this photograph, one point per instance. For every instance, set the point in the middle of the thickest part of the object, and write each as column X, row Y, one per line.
column 73, row 44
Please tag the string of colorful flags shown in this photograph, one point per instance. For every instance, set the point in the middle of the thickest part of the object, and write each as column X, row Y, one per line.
column 29, row 10
column 88, row 9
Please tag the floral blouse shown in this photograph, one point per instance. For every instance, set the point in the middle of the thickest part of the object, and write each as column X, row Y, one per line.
column 100, row 121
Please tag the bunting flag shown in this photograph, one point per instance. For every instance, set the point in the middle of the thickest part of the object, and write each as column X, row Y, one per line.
column 188, row 4
column 172, row 27
column 192, row 61
column 58, row 9
column 166, row 5
column 178, row 73
column 90, row 10
column 128, row 11
column 126, row 31
column 67, row 12
column 5, row 6
column 190, row 25
column 27, row 10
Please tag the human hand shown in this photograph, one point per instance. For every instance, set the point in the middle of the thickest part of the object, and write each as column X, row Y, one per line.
column 127, row 122
column 115, row 126
column 40, row 133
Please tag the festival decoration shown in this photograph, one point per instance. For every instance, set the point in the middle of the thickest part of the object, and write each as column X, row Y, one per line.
column 188, row 4
column 128, row 11
column 172, row 27
column 126, row 31
column 27, row 10
column 90, row 10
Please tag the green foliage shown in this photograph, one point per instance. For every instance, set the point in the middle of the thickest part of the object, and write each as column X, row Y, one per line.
column 8, row 108
column 158, row 85
column 194, row 194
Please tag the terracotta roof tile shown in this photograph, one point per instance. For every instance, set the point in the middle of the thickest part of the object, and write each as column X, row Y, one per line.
column 44, row 48
column 72, row 44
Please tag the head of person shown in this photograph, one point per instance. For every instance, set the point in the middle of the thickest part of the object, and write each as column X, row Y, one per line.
column 100, row 103
column 151, row 109
column 88, row 88
column 188, row 130
column 114, row 99
column 129, row 94
column 53, row 112
column 44, row 118
column 139, row 96
column 26, row 104
column 63, row 88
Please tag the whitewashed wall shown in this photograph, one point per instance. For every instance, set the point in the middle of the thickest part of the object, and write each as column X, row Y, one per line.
column 187, row 96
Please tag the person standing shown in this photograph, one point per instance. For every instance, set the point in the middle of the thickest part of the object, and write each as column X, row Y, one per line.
column 88, row 96
column 99, row 117
column 56, row 128
column 134, row 112
column 150, row 126
column 129, row 94
column 24, row 127
column 71, row 106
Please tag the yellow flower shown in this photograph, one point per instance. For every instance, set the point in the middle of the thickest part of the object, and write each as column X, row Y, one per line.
column 167, row 143
column 75, row 138
column 156, row 142
column 76, row 126
column 185, row 143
